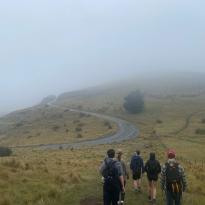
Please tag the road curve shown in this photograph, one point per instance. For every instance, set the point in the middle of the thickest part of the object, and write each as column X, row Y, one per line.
column 126, row 131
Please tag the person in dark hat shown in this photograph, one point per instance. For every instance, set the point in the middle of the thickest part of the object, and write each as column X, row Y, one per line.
column 173, row 180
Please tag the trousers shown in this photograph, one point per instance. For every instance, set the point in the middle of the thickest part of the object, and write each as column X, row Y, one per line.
column 173, row 198
column 110, row 197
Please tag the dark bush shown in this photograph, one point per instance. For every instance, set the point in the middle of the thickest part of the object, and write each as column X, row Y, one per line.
column 200, row 131
column 80, row 124
column 76, row 121
column 5, row 151
column 56, row 128
column 134, row 102
column 79, row 136
column 158, row 121
column 203, row 121
column 19, row 124
column 110, row 127
column 81, row 115
column 78, row 129
column 106, row 123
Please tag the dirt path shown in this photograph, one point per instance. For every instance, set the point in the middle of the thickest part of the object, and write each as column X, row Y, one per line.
column 125, row 131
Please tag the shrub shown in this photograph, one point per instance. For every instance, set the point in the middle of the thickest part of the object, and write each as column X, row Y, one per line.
column 200, row 131
column 134, row 102
column 5, row 151
column 20, row 124
column 203, row 121
column 110, row 127
column 81, row 115
column 56, row 128
column 76, row 121
column 106, row 123
column 78, row 129
column 158, row 121
column 79, row 136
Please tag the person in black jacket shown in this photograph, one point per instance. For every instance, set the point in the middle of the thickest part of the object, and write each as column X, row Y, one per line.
column 152, row 168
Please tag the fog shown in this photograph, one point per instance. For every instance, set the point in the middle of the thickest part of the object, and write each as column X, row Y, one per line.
column 49, row 47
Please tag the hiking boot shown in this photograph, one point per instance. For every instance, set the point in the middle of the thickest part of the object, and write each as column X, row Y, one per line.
column 153, row 201
column 139, row 190
column 149, row 199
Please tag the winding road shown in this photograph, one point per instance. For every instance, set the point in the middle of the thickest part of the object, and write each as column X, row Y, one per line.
column 126, row 131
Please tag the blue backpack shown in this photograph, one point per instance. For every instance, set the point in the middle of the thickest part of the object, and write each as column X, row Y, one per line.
column 136, row 164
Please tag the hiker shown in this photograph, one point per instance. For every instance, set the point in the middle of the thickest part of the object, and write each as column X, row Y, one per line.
column 112, row 172
column 173, row 180
column 125, row 173
column 137, row 168
column 152, row 168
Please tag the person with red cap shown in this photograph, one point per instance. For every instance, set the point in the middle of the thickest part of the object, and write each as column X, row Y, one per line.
column 173, row 180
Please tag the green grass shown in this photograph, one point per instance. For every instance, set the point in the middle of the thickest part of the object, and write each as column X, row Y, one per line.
column 64, row 177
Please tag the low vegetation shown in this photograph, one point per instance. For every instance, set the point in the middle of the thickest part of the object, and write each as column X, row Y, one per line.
column 53, row 177
column 5, row 151
column 50, row 125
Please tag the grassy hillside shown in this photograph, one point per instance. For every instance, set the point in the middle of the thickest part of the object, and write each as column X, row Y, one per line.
column 173, row 118
column 45, row 124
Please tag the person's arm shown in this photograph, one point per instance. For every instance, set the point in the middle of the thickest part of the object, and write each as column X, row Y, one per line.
column 131, row 164
column 143, row 168
column 102, row 168
column 122, row 183
column 125, row 170
column 163, row 177
column 159, row 167
column 121, row 177
column 183, row 178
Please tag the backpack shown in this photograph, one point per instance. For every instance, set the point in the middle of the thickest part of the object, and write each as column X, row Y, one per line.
column 111, row 180
column 152, row 167
column 173, row 178
column 136, row 164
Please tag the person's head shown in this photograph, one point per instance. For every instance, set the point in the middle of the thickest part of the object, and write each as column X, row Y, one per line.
column 171, row 154
column 152, row 156
column 138, row 152
column 119, row 153
column 111, row 153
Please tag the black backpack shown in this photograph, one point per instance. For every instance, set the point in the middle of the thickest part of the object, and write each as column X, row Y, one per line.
column 111, row 178
column 173, row 178
column 152, row 167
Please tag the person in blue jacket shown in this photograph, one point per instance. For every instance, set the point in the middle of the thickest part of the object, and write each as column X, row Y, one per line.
column 137, row 168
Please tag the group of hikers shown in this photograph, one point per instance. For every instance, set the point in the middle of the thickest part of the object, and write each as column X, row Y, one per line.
column 115, row 174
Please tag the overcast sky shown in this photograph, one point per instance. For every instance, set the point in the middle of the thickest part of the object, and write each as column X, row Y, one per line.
column 49, row 46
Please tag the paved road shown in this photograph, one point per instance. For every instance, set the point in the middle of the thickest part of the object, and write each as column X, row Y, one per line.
column 125, row 131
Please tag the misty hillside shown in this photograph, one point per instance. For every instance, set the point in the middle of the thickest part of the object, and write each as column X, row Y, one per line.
column 174, row 117
column 34, row 125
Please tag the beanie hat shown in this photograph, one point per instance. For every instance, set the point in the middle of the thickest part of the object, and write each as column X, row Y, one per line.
column 171, row 154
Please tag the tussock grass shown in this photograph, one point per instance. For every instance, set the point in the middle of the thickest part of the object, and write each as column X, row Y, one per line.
column 35, row 177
